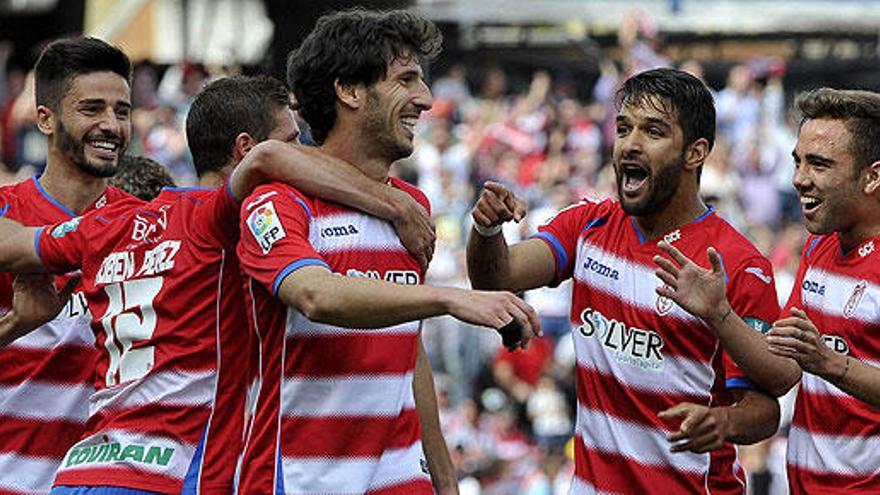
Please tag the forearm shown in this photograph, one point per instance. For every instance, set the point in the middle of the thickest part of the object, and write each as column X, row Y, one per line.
column 17, row 250
column 752, row 419
column 434, row 445
column 858, row 379
column 318, row 174
column 368, row 303
column 748, row 349
column 11, row 328
column 488, row 261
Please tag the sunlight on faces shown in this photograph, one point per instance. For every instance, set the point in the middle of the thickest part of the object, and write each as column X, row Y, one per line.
column 93, row 126
column 825, row 176
column 648, row 156
column 393, row 107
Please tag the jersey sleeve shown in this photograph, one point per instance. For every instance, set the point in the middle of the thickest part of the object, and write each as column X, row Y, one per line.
column 752, row 294
column 63, row 245
column 562, row 231
column 274, row 241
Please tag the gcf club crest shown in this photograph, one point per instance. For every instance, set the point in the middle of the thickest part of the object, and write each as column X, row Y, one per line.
column 855, row 298
column 663, row 304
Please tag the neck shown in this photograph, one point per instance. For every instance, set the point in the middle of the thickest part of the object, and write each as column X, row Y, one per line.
column 349, row 147
column 70, row 185
column 682, row 210
column 853, row 237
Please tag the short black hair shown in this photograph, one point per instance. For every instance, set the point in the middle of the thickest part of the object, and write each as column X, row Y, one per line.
column 355, row 47
column 679, row 94
column 860, row 112
column 63, row 60
column 141, row 177
column 226, row 108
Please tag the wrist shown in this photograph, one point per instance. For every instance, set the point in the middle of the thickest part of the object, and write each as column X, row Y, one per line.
column 487, row 231
column 719, row 316
column 837, row 368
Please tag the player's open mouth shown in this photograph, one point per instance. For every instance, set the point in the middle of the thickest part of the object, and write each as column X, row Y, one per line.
column 409, row 124
column 633, row 178
column 809, row 204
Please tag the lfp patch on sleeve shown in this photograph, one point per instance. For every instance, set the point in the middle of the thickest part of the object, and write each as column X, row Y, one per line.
column 265, row 226
column 62, row 229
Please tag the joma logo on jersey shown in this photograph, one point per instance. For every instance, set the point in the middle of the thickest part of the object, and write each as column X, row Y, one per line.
column 116, row 452
column 120, row 266
column 339, row 231
column 629, row 345
column 814, row 287
column 601, row 268
column 402, row 277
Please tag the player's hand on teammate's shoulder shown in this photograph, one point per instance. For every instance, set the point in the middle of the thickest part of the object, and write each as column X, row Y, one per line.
column 501, row 311
column 414, row 228
column 497, row 204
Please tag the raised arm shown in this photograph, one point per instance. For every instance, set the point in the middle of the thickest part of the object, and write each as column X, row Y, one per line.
column 702, row 293
column 316, row 292
column 796, row 337
column 491, row 263
column 18, row 249
column 317, row 174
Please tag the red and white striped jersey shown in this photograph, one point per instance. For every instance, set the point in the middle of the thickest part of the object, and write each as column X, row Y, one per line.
column 45, row 376
column 165, row 293
column 834, row 441
column 336, row 412
column 639, row 354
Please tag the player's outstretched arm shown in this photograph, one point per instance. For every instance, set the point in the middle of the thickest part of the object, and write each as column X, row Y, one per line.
column 18, row 251
column 702, row 293
column 491, row 263
column 366, row 303
column 318, row 174
column 796, row 337
column 34, row 302
column 436, row 452
column 754, row 417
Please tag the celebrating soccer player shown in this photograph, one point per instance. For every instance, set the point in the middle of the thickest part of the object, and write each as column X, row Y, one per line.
column 83, row 106
column 346, row 404
column 833, row 314
column 648, row 372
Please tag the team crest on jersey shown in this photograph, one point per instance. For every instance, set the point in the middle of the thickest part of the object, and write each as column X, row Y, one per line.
column 265, row 226
column 62, row 229
column 663, row 305
column 855, row 298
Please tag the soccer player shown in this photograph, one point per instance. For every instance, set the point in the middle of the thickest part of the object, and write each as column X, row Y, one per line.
column 163, row 287
column 648, row 373
column 83, row 105
column 346, row 403
column 833, row 315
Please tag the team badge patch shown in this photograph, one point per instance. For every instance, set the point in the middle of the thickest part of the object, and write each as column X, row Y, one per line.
column 62, row 229
column 855, row 299
column 265, row 226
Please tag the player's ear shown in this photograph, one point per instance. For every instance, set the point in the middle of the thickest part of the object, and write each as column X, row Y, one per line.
column 350, row 95
column 45, row 120
column 872, row 178
column 696, row 153
column 243, row 143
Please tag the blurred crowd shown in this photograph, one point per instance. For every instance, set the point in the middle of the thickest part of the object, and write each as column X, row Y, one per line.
column 508, row 417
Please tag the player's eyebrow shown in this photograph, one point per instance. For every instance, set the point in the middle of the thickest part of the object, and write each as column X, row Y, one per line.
column 101, row 101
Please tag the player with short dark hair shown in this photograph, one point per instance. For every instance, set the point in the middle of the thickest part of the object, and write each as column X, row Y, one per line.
column 347, row 402
column 648, row 372
column 83, row 103
column 833, row 314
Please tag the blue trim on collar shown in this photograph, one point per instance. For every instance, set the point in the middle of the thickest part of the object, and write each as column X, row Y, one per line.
column 50, row 198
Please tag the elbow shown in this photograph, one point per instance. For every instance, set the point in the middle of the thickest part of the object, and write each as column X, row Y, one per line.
column 314, row 305
column 264, row 157
column 784, row 381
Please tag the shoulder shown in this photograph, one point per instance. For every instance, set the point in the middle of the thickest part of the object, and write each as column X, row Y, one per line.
column 588, row 211
column 734, row 247
column 18, row 193
column 278, row 192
